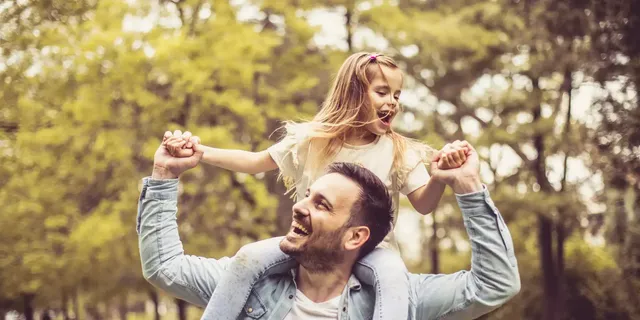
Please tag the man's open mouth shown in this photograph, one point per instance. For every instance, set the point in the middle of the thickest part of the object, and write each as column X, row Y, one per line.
column 299, row 229
column 385, row 116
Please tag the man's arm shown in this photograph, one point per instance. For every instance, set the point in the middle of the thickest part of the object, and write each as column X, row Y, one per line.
column 493, row 278
column 164, row 263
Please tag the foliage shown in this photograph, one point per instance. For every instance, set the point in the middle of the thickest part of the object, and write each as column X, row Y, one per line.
column 89, row 87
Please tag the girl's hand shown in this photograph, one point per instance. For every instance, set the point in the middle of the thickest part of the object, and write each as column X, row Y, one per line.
column 453, row 155
column 178, row 144
column 466, row 178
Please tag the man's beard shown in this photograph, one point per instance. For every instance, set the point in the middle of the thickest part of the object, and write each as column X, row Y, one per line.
column 319, row 254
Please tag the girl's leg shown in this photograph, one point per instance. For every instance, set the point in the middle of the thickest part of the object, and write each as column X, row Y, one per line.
column 391, row 284
column 248, row 265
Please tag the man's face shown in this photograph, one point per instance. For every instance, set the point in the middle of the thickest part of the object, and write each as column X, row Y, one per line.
column 317, row 235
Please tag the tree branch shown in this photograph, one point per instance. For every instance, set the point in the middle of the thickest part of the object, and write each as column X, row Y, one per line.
column 194, row 18
column 9, row 127
column 519, row 152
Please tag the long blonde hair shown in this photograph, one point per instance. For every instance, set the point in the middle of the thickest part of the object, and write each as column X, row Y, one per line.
column 347, row 108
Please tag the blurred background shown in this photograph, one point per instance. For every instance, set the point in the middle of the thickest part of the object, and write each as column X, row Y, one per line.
column 546, row 90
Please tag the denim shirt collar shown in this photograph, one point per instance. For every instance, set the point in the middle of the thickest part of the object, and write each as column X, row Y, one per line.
column 353, row 283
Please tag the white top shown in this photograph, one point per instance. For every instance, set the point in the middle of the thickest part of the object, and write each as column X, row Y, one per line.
column 377, row 156
column 305, row 309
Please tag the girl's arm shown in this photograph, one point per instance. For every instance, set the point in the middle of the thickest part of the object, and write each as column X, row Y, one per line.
column 426, row 198
column 234, row 160
column 239, row 160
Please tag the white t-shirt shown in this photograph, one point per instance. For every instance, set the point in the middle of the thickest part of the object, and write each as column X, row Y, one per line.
column 305, row 309
column 377, row 156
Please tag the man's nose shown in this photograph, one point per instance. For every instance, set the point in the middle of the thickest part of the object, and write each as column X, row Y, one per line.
column 300, row 208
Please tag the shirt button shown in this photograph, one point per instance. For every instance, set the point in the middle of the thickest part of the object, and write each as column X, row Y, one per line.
column 249, row 310
column 290, row 296
column 344, row 309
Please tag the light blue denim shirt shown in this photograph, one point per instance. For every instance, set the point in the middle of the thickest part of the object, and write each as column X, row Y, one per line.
column 492, row 280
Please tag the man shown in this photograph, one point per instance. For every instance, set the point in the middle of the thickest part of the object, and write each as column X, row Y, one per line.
column 345, row 214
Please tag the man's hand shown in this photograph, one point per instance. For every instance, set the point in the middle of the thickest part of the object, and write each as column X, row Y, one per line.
column 168, row 166
column 462, row 179
column 175, row 148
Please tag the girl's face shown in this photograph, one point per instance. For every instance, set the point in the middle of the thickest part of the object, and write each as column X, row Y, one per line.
column 384, row 93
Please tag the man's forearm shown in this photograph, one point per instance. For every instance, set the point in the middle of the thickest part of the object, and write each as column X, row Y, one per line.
column 158, row 239
column 162, row 173
column 467, row 185
column 493, row 262
column 164, row 263
column 493, row 278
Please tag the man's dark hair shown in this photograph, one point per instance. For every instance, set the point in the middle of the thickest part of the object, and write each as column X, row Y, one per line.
column 374, row 206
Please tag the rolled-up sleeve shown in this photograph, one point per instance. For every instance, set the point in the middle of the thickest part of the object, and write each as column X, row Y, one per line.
column 164, row 263
column 493, row 278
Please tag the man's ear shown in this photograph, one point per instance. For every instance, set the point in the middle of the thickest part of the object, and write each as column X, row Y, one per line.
column 356, row 237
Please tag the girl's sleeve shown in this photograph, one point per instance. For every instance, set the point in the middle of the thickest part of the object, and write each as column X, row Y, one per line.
column 417, row 176
column 285, row 153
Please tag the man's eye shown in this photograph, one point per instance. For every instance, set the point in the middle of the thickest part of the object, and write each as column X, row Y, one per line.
column 382, row 94
column 397, row 97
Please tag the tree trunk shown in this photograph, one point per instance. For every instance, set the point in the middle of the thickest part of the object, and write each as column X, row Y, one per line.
column 545, row 224
column 545, row 242
column 275, row 187
column 93, row 312
column 561, row 235
column 620, row 218
column 27, row 300
column 155, row 299
column 45, row 314
column 64, row 307
column 123, row 308
column 76, row 307
column 631, row 245
column 561, row 231
column 181, row 305
column 348, row 20
column 433, row 247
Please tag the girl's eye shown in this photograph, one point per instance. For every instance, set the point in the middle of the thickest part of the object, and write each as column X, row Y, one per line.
column 382, row 94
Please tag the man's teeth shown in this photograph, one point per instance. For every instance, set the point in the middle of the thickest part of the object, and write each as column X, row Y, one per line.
column 299, row 226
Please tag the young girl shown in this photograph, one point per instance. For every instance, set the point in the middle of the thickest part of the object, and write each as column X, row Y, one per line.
column 353, row 125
